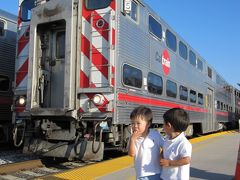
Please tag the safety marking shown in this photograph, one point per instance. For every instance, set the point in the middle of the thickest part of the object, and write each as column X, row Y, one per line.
column 203, row 138
column 96, row 170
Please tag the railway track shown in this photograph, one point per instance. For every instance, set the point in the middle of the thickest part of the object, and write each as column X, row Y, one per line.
column 35, row 168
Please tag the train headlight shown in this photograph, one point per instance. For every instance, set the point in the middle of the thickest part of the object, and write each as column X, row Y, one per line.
column 98, row 99
column 21, row 101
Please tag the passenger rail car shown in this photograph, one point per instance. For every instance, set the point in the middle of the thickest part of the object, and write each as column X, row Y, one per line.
column 8, row 26
column 92, row 62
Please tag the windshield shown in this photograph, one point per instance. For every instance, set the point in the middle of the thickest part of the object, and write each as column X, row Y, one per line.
column 97, row 4
column 26, row 7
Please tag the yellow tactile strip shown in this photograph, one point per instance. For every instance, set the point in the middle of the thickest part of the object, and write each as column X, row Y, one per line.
column 96, row 170
column 107, row 167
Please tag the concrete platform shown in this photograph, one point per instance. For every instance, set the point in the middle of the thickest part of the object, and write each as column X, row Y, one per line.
column 214, row 158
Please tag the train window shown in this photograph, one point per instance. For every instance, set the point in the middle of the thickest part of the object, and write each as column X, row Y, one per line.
column 200, row 98
column 2, row 32
column 218, row 105
column 171, row 40
column 132, row 76
column 26, row 7
column 199, row 64
column 171, row 89
column 221, row 106
column 155, row 27
column 192, row 58
column 209, row 72
column 183, row 93
column 60, row 45
column 155, row 83
column 96, row 4
column 133, row 12
column 193, row 97
column 4, row 83
column 183, row 50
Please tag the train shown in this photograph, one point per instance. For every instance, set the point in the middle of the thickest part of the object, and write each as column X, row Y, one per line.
column 85, row 65
column 8, row 27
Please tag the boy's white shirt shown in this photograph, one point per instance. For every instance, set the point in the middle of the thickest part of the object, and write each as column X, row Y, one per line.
column 147, row 158
column 175, row 149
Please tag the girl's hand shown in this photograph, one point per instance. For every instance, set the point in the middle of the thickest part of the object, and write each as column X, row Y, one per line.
column 136, row 134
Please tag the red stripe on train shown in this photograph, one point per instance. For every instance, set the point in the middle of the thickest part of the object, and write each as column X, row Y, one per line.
column 113, row 76
column 85, row 46
column 103, row 29
column 22, row 72
column 222, row 113
column 23, row 41
column 113, row 5
column 113, row 36
column 98, row 60
column 84, row 81
column 5, row 100
column 87, row 15
column 150, row 101
column 95, row 17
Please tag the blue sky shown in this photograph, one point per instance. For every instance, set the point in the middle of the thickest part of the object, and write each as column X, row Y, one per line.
column 211, row 27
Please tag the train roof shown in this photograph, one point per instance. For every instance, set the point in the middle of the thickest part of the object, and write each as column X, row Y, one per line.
column 8, row 16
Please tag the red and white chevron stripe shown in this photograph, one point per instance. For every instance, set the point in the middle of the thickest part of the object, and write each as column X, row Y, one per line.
column 22, row 57
column 97, row 54
column 21, row 66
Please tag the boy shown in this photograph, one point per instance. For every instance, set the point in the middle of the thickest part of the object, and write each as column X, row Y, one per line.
column 144, row 145
column 177, row 149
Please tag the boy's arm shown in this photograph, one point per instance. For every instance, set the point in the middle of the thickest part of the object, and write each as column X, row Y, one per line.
column 179, row 162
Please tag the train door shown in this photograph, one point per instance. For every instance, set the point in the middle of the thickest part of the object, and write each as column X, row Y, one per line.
column 52, row 37
column 52, row 65
column 209, row 103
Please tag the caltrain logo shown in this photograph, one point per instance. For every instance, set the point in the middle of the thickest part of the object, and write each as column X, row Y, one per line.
column 166, row 62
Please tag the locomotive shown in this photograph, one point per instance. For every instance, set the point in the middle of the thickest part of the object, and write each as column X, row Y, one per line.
column 91, row 62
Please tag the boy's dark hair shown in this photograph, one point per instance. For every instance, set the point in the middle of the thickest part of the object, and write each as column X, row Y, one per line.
column 178, row 118
column 142, row 111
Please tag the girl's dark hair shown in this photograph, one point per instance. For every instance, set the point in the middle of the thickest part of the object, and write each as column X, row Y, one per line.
column 142, row 111
column 178, row 118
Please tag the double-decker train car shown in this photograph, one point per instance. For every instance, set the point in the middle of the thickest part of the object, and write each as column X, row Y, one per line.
column 92, row 62
column 8, row 26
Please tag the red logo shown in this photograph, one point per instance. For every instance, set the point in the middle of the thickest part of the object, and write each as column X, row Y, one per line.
column 166, row 62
